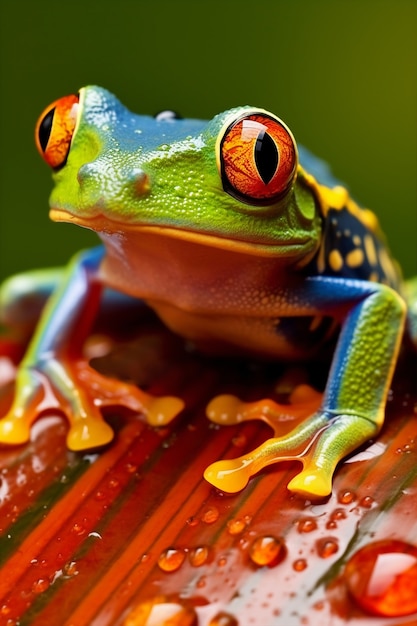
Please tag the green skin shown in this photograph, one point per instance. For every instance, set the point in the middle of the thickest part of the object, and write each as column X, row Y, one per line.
column 220, row 272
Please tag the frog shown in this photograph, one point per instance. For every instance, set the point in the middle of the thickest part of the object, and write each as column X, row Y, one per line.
column 242, row 243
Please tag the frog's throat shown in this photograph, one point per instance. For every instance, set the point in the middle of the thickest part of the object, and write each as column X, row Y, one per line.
column 298, row 248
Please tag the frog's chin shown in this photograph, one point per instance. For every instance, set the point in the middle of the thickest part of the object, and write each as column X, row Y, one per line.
column 296, row 249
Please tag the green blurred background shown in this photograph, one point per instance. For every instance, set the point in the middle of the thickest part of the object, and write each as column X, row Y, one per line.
column 342, row 74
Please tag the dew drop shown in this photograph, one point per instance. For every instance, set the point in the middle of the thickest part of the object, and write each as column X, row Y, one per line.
column 161, row 611
column 223, row 619
column 299, row 565
column 236, row 526
column 331, row 525
column 70, row 568
column 327, row 547
column 170, row 560
column 367, row 502
column 78, row 529
column 199, row 556
column 306, row 525
column 131, row 468
column 211, row 515
column 40, row 585
column 346, row 497
column 337, row 515
column 239, row 441
column 267, row 550
column 382, row 578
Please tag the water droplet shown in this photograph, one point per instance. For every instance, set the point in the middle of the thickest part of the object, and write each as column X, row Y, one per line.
column 192, row 521
column 382, row 578
column 222, row 561
column 346, row 497
column 40, row 585
column 367, row 502
column 78, row 529
column 99, row 496
column 171, row 559
column 236, row 526
column 327, row 547
column 161, row 611
column 201, row 582
column 70, row 568
column 239, row 441
column 211, row 515
column 223, row 619
column 5, row 609
column 198, row 556
column 131, row 468
column 337, row 515
column 306, row 525
column 299, row 565
column 267, row 551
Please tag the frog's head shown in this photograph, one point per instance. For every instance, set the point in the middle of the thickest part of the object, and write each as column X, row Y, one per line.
column 232, row 183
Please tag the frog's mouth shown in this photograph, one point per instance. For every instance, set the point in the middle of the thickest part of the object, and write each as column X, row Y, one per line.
column 297, row 247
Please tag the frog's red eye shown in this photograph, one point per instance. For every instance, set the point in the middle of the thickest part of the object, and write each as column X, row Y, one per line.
column 258, row 158
column 55, row 129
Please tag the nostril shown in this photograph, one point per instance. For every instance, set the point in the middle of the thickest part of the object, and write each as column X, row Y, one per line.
column 84, row 173
column 141, row 182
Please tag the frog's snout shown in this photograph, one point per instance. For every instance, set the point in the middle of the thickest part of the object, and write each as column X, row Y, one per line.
column 96, row 175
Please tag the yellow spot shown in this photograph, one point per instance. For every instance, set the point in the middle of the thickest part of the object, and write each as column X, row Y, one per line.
column 335, row 260
column 370, row 250
column 356, row 240
column 355, row 258
column 373, row 277
column 338, row 198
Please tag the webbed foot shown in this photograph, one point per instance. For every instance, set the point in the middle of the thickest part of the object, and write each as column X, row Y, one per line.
column 79, row 392
column 319, row 443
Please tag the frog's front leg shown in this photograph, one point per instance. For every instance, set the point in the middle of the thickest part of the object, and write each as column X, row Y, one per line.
column 53, row 374
column 354, row 401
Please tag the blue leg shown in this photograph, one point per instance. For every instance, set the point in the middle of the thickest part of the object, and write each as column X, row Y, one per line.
column 353, row 407
column 54, row 374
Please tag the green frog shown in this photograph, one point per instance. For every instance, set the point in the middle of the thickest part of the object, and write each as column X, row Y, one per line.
column 242, row 243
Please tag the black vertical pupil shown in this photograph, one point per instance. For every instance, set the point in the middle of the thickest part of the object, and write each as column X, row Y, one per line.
column 266, row 156
column 45, row 129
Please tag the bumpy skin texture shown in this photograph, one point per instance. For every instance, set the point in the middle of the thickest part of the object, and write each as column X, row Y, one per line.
column 238, row 248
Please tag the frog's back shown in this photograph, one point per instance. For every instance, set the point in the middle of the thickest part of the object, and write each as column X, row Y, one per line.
column 352, row 245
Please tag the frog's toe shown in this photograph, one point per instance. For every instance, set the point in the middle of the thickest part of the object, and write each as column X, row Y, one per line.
column 89, row 433
column 161, row 411
column 225, row 409
column 14, row 431
column 312, row 483
column 231, row 475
